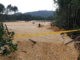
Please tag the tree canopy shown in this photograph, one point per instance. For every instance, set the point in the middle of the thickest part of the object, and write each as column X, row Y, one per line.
column 68, row 14
column 1, row 8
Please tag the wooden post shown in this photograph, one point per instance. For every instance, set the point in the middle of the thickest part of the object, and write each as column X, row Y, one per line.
column 7, row 29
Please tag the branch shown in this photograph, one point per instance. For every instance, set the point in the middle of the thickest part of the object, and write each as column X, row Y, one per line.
column 72, row 40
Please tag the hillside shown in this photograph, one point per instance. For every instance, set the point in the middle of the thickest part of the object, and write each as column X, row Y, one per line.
column 43, row 13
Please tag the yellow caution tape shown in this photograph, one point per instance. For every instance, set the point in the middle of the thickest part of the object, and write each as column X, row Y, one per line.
column 40, row 34
column 47, row 33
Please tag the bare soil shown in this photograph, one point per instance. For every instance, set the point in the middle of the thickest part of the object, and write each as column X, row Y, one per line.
column 55, row 29
column 47, row 47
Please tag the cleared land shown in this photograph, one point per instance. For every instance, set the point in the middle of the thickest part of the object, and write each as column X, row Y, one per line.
column 47, row 47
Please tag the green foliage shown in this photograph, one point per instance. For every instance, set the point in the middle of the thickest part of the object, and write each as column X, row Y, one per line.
column 27, row 17
column 1, row 8
column 74, row 33
column 1, row 11
column 70, row 33
column 30, row 17
column 78, row 59
column 50, row 18
column 67, row 14
column 53, row 24
column 5, row 51
column 10, row 9
column 6, row 42
column 14, row 9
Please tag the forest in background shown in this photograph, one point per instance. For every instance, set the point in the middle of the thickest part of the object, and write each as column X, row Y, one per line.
column 23, row 17
column 9, row 14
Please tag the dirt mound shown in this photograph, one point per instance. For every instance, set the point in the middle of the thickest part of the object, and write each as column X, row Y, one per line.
column 43, row 51
column 56, row 29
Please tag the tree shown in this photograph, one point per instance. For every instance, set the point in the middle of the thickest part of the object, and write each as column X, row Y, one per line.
column 1, row 8
column 11, row 8
column 68, row 14
column 8, row 9
column 15, row 9
column 1, row 12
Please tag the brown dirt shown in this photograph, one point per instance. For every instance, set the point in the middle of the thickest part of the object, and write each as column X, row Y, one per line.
column 47, row 47
column 41, row 26
column 43, row 51
column 54, row 28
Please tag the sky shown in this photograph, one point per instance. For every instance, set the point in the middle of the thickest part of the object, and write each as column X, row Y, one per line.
column 30, row 5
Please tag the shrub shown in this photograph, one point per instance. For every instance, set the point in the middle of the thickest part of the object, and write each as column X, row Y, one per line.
column 52, row 24
column 6, row 42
